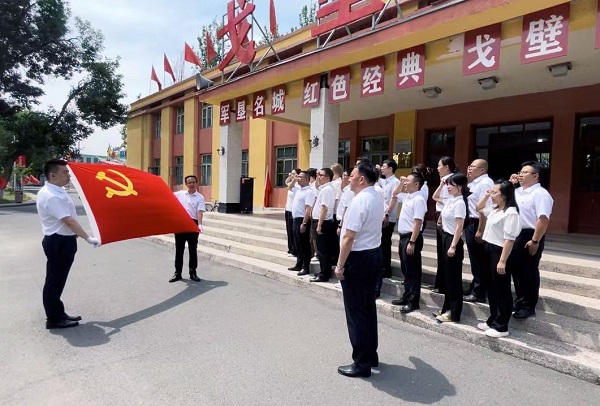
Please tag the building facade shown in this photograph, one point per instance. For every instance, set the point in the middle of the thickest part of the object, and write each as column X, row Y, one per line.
column 504, row 80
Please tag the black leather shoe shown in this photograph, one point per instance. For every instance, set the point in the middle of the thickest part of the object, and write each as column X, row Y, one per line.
column 318, row 279
column 176, row 277
column 194, row 277
column 408, row 308
column 64, row 323
column 294, row 268
column 71, row 318
column 400, row 302
column 472, row 298
column 523, row 313
column 303, row 272
column 353, row 372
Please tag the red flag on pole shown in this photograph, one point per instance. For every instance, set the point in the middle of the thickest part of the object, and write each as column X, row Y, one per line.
column 124, row 203
column 34, row 180
column 191, row 57
column 168, row 68
column 25, row 181
column 210, row 49
column 268, row 189
column 272, row 18
column 155, row 78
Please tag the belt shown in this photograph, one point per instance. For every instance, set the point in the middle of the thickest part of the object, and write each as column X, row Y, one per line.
column 406, row 235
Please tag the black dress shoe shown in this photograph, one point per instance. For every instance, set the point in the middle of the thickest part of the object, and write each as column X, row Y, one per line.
column 353, row 372
column 294, row 268
column 472, row 299
column 64, row 323
column 319, row 279
column 176, row 277
column 408, row 308
column 523, row 313
column 400, row 302
column 194, row 277
column 71, row 318
column 303, row 272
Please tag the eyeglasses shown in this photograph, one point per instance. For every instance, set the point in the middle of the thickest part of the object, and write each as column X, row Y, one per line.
column 525, row 173
column 473, row 167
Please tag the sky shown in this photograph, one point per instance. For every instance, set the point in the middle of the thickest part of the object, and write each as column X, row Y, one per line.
column 140, row 31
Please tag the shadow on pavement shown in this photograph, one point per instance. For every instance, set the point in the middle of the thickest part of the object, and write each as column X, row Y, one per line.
column 94, row 333
column 424, row 384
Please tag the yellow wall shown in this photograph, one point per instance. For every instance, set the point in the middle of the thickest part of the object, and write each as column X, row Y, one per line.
column 303, row 147
column 136, row 142
column 166, row 141
column 405, row 125
column 216, row 143
column 258, row 158
column 190, row 138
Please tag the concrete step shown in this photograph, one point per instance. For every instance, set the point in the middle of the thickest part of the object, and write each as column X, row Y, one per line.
column 568, row 358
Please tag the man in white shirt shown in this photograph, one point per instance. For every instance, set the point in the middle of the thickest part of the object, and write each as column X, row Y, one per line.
column 479, row 184
column 301, row 213
column 358, row 264
column 410, row 228
column 325, row 228
column 193, row 202
column 61, row 229
column 292, row 184
column 535, row 207
column 388, row 169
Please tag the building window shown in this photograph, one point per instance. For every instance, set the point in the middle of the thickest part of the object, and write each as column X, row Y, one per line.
column 206, row 116
column 179, row 121
column 506, row 147
column 179, row 170
column 155, row 170
column 157, row 126
column 344, row 154
column 439, row 144
column 376, row 150
column 206, row 176
column 245, row 163
column 286, row 161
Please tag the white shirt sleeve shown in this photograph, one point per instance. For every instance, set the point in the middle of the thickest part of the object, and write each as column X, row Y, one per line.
column 460, row 210
column 56, row 208
column 420, row 209
column 354, row 217
column 543, row 205
column 201, row 204
column 512, row 226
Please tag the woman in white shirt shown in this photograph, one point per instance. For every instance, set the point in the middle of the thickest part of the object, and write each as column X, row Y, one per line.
column 453, row 216
column 501, row 229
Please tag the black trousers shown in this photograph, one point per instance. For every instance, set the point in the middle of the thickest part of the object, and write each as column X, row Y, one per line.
column 289, row 227
column 439, row 283
column 302, row 241
column 526, row 271
column 499, row 294
column 327, row 242
column 412, row 268
column 60, row 253
column 192, row 242
column 358, row 288
column 453, row 299
column 476, row 257
column 386, row 251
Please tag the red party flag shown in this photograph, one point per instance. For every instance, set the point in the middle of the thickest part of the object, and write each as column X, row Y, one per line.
column 268, row 189
column 272, row 18
column 124, row 203
column 34, row 180
column 210, row 49
column 155, row 78
column 191, row 57
column 167, row 67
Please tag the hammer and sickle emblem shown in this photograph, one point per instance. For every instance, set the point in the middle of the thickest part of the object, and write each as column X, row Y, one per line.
column 126, row 190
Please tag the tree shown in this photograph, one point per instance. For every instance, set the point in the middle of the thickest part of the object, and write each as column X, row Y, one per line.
column 94, row 99
column 307, row 15
column 180, row 69
column 212, row 29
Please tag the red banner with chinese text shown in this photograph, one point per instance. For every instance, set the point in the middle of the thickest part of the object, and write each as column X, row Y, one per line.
column 311, row 93
column 545, row 34
column 339, row 85
column 372, row 77
column 410, row 68
column 124, row 203
column 481, row 51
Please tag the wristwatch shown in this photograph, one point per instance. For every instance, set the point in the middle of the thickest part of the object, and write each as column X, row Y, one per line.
column 411, row 242
column 534, row 241
column 387, row 214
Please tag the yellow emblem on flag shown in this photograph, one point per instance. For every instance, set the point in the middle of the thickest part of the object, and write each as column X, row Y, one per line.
column 126, row 190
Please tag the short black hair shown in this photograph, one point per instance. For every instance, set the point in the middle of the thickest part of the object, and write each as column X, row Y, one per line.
column 537, row 166
column 391, row 164
column 190, row 176
column 507, row 189
column 417, row 177
column 368, row 170
column 362, row 159
column 328, row 172
column 312, row 172
column 297, row 170
column 449, row 161
column 52, row 165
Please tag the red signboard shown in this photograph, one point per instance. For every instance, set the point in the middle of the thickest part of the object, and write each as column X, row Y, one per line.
column 20, row 161
column 258, row 104
column 339, row 85
column 237, row 28
column 225, row 113
column 278, row 100
column 338, row 13
column 311, row 94
column 372, row 75
column 241, row 113
column 482, row 50
column 545, row 34
column 410, row 68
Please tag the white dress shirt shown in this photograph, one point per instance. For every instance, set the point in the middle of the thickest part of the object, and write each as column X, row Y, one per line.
column 192, row 203
column 347, row 196
column 54, row 204
column 414, row 208
column 303, row 197
column 290, row 197
column 364, row 217
column 326, row 198
column 388, row 190
column 501, row 225
column 444, row 194
column 534, row 202
column 454, row 208
column 478, row 188
column 425, row 191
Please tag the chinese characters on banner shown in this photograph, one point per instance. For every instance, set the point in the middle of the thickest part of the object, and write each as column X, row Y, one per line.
column 372, row 77
column 278, row 100
column 240, row 110
column 482, row 50
column 258, row 104
column 339, row 85
column 311, row 92
column 339, row 13
column 237, row 29
column 411, row 68
column 545, row 34
column 225, row 113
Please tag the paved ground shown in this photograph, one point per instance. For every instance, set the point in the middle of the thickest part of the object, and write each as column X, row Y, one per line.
column 234, row 338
